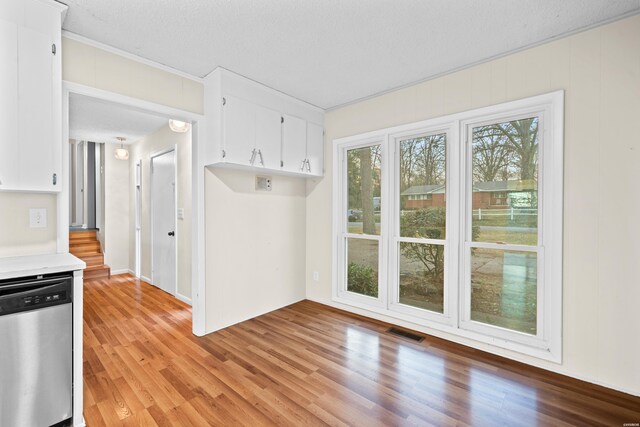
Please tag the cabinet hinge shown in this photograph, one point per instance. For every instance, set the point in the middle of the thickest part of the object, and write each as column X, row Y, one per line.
column 55, row 179
column 281, row 164
column 224, row 101
column 53, row 48
column 224, row 154
column 281, row 119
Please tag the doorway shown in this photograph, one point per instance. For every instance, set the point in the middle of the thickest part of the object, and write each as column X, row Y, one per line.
column 163, row 221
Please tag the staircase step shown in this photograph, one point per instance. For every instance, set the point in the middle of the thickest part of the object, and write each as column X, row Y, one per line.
column 97, row 272
column 82, row 235
column 93, row 259
column 85, row 247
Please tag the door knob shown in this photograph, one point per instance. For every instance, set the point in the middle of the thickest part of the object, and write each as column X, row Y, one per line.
column 172, row 233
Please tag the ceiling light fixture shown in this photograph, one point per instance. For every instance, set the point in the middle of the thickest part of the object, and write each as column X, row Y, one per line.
column 121, row 153
column 178, row 126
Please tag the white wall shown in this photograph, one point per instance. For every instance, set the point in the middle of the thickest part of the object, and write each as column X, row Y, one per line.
column 600, row 72
column 116, row 215
column 16, row 237
column 255, row 250
column 158, row 141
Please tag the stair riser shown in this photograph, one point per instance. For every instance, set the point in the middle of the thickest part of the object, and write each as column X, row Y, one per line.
column 102, row 274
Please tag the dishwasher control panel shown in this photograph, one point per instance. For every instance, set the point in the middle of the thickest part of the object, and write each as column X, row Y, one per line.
column 32, row 293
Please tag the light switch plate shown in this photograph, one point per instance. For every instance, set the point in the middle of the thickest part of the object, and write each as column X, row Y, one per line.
column 38, row 218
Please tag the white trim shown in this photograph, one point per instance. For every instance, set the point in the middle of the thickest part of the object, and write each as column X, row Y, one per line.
column 145, row 279
column 121, row 271
column 182, row 298
column 198, row 285
column 547, row 344
column 130, row 56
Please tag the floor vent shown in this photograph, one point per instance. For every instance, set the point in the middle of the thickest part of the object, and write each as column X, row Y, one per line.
column 405, row 334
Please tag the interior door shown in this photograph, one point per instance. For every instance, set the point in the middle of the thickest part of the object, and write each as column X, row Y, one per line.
column 163, row 221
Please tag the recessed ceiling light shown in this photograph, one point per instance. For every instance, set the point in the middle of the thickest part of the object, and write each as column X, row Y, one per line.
column 178, row 126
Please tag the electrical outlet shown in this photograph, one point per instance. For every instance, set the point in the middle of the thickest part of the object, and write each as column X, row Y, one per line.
column 263, row 183
column 37, row 218
column 180, row 213
column 316, row 276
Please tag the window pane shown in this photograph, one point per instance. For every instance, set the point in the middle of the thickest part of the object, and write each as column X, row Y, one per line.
column 422, row 187
column 422, row 276
column 504, row 289
column 362, row 266
column 363, row 172
column 505, row 182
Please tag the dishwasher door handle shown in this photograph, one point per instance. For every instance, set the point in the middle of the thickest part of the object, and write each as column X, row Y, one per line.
column 19, row 293
column 41, row 282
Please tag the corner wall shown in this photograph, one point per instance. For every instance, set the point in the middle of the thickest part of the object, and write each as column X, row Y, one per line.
column 255, row 257
column 600, row 72
column 116, row 208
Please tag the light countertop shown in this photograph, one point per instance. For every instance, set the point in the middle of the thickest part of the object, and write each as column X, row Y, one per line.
column 33, row 265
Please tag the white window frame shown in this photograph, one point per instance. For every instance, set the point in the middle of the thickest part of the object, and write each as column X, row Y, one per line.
column 547, row 344
column 344, row 235
column 450, row 256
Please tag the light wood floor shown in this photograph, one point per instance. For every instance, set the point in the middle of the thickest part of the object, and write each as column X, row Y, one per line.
column 307, row 364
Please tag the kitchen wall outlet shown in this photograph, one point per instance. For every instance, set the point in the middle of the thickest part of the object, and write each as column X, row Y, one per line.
column 37, row 218
column 180, row 213
column 263, row 183
column 316, row 276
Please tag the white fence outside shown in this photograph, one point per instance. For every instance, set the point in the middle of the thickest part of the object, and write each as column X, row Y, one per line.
column 509, row 212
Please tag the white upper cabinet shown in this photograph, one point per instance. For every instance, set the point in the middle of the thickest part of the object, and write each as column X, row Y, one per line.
column 251, row 134
column 254, row 128
column 8, row 105
column 294, row 144
column 239, row 130
column 268, row 138
column 315, row 149
column 30, row 79
column 302, row 146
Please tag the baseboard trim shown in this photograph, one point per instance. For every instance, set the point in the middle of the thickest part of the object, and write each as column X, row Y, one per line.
column 145, row 278
column 183, row 298
column 437, row 334
column 120, row 271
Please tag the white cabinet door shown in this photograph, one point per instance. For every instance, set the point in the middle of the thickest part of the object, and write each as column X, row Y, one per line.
column 268, row 137
column 294, row 142
column 239, row 130
column 315, row 149
column 8, row 105
column 38, row 144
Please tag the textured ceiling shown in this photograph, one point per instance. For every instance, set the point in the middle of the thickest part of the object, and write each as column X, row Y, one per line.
column 100, row 121
column 330, row 52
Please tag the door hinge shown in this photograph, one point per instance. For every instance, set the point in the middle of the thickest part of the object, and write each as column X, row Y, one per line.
column 53, row 48
column 224, row 101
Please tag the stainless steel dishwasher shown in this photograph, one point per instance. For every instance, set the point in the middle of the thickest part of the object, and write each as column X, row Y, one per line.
column 36, row 351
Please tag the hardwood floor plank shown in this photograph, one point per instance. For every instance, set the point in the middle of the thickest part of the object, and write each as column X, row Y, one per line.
column 307, row 364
